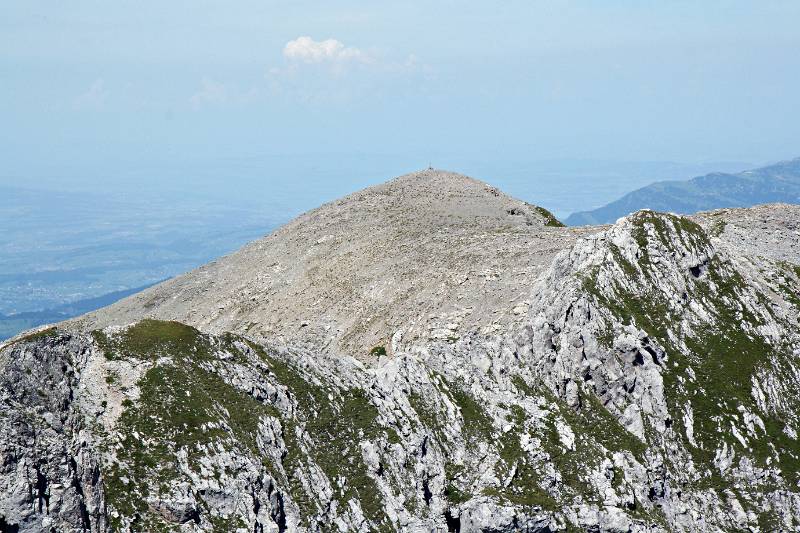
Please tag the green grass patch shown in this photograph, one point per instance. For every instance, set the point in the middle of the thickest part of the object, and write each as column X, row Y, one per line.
column 39, row 335
column 525, row 485
column 336, row 421
column 477, row 424
column 182, row 406
column 791, row 285
column 378, row 351
column 549, row 218
column 454, row 491
column 724, row 354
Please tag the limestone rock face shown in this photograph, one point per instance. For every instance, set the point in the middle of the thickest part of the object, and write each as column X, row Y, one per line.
column 631, row 378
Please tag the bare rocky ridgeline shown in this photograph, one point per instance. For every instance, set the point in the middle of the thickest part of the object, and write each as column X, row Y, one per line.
column 435, row 254
column 427, row 355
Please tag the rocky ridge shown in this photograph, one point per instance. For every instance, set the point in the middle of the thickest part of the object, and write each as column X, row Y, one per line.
column 427, row 252
column 647, row 380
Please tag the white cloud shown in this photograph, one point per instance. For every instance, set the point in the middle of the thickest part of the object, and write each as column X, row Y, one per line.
column 211, row 92
column 216, row 93
column 307, row 50
column 94, row 97
column 328, row 71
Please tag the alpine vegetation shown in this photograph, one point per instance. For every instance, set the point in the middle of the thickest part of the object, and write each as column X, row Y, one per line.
column 427, row 355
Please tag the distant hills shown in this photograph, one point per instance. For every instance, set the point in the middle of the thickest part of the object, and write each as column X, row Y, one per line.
column 774, row 183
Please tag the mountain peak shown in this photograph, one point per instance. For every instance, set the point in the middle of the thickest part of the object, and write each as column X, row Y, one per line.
column 433, row 197
column 430, row 249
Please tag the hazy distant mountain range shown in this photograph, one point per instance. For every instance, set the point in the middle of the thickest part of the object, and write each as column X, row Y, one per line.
column 775, row 183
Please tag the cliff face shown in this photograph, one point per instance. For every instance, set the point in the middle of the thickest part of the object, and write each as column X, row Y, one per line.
column 695, row 352
column 647, row 380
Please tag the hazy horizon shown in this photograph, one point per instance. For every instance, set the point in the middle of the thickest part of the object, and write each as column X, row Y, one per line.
column 294, row 184
column 92, row 89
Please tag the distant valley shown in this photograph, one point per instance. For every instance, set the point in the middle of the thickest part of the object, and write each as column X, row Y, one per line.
column 12, row 324
column 66, row 253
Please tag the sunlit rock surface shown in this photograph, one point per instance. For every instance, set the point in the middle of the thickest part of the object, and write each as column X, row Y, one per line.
column 427, row 355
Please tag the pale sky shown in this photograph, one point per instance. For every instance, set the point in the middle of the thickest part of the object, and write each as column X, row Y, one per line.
column 84, row 83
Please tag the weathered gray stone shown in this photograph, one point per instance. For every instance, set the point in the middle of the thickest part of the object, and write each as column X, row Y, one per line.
column 579, row 392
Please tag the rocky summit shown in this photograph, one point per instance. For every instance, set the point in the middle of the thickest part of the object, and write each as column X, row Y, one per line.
column 427, row 355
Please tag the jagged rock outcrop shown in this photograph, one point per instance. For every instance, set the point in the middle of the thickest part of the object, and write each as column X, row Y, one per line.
column 647, row 380
column 680, row 340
